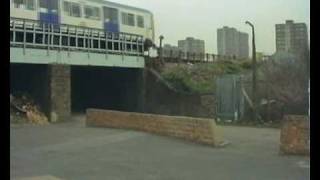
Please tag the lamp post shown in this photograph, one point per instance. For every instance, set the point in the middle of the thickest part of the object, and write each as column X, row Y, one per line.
column 160, row 49
column 254, row 74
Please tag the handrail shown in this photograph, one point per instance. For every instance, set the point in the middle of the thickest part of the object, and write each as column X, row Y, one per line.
column 73, row 38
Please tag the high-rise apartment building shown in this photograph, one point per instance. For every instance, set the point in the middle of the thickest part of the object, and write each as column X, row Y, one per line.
column 171, row 51
column 232, row 42
column 192, row 45
column 292, row 38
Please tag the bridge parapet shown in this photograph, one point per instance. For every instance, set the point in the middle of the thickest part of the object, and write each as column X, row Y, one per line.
column 34, row 39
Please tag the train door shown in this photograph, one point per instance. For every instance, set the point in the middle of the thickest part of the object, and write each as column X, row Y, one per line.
column 111, row 19
column 49, row 11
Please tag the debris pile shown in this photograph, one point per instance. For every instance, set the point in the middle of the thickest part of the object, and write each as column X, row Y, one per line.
column 24, row 109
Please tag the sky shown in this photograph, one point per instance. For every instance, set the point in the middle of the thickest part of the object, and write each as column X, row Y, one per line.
column 178, row 19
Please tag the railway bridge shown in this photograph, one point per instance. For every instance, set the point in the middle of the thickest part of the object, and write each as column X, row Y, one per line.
column 68, row 69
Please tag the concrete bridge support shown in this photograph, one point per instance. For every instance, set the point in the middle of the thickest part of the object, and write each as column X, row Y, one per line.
column 59, row 77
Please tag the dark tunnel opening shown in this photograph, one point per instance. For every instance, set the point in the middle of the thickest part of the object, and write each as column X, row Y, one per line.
column 30, row 80
column 110, row 88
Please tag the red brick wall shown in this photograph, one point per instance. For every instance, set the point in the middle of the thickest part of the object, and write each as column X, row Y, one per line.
column 193, row 129
column 295, row 135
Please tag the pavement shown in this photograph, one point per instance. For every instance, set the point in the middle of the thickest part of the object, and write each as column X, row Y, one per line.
column 72, row 151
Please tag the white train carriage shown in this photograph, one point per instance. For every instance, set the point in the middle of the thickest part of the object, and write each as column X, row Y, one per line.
column 98, row 14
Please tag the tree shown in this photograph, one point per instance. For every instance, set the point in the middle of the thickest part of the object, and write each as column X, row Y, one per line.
column 288, row 78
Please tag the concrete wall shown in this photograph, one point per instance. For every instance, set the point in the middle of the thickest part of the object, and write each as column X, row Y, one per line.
column 193, row 129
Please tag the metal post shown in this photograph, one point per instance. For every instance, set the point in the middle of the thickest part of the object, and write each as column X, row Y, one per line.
column 48, row 39
column 160, row 48
column 24, row 37
column 76, row 38
column 106, row 43
column 68, row 43
column 60, row 39
column 14, row 31
column 254, row 74
column 122, row 45
column 34, row 34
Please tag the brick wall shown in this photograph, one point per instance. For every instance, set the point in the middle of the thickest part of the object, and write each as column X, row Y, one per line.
column 193, row 129
column 60, row 89
column 294, row 137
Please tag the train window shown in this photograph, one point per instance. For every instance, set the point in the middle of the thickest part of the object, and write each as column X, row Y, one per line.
column 71, row 9
column 24, row 4
column 92, row 12
column 140, row 21
column 18, row 3
column 29, row 4
column 128, row 19
column 76, row 12
column 66, row 8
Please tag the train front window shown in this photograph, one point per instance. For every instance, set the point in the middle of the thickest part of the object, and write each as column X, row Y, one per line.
column 92, row 12
column 140, row 21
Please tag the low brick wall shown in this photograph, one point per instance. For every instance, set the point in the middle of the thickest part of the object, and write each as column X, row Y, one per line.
column 193, row 129
column 294, row 137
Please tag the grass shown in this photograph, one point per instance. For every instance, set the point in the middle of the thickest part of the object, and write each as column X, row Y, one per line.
column 200, row 78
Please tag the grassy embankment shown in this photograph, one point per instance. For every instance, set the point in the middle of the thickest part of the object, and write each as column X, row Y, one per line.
column 200, row 78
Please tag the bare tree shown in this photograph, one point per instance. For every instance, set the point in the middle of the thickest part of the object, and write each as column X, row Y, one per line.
column 288, row 78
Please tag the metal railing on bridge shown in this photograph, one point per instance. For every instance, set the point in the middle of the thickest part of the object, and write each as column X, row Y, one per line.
column 181, row 56
column 26, row 33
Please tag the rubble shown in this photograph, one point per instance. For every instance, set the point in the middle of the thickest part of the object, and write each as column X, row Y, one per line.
column 23, row 109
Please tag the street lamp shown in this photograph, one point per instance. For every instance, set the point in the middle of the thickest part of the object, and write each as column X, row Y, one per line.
column 254, row 74
column 160, row 48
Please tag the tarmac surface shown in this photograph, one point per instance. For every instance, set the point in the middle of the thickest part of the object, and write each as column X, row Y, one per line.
column 72, row 151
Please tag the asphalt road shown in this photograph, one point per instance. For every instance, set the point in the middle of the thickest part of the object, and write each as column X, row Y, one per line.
column 72, row 151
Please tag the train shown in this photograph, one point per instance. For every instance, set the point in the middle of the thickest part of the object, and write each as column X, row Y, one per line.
column 97, row 14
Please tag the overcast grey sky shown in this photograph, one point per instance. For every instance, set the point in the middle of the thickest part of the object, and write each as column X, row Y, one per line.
column 177, row 19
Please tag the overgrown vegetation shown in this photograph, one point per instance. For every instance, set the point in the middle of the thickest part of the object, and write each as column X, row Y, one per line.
column 200, row 78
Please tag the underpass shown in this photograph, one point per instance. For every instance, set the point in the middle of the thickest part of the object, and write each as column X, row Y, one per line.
column 68, row 73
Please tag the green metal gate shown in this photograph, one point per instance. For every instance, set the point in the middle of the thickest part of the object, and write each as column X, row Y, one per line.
column 229, row 98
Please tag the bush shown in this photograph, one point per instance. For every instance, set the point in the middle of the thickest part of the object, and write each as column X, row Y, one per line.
column 199, row 78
